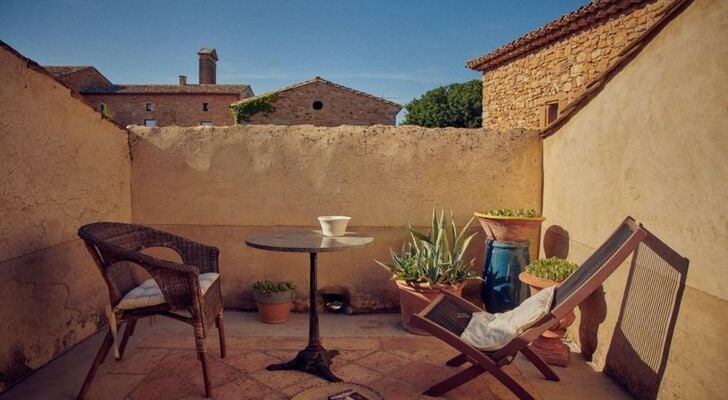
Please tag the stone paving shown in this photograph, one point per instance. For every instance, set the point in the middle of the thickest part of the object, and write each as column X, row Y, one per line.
column 165, row 367
column 160, row 363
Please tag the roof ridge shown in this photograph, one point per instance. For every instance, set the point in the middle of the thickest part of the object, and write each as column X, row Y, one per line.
column 315, row 80
column 584, row 16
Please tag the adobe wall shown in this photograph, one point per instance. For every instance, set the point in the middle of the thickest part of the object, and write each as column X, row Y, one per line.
column 653, row 145
column 340, row 107
column 62, row 166
column 219, row 185
column 514, row 94
column 168, row 109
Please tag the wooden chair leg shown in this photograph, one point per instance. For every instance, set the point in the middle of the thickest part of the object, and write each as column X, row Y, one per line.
column 100, row 357
column 128, row 331
column 511, row 384
column 202, row 356
column 221, row 332
column 455, row 381
column 457, row 361
column 540, row 364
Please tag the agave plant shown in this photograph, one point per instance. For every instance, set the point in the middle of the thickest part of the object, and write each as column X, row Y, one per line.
column 436, row 257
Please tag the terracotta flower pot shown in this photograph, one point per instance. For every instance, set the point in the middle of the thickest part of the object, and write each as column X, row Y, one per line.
column 411, row 301
column 549, row 346
column 513, row 229
column 274, row 307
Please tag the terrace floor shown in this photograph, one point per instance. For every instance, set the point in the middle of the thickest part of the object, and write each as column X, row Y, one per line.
column 160, row 363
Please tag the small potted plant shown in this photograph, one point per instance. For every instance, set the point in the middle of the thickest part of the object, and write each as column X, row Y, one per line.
column 510, row 225
column 541, row 274
column 274, row 300
column 429, row 263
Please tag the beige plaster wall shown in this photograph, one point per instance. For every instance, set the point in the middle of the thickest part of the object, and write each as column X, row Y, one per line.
column 653, row 145
column 218, row 185
column 62, row 166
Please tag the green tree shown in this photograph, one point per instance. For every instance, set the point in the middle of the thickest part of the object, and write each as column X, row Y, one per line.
column 458, row 105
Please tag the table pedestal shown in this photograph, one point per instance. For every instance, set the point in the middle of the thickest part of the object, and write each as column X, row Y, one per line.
column 314, row 359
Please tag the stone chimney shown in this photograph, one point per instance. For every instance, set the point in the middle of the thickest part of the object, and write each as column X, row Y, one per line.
column 182, row 80
column 208, row 63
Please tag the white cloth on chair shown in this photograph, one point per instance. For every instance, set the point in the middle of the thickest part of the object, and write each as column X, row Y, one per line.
column 490, row 332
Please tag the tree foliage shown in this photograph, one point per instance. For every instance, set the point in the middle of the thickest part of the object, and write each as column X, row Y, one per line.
column 458, row 105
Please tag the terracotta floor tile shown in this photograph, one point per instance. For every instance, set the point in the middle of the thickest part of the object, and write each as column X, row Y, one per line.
column 113, row 386
column 251, row 361
column 422, row 374
column 186, row 366
column 394, row 389
column 243, row 388
column 276, row 396
column 383, row 361
column 138, row 361
column 162, row 384
column 280, row 379
column 351, row 343
column 239, row 342
column 356, row 373
column 169, row 341
column 293, row 389
column 284, row 343
column 351, row 355
column 282, row 355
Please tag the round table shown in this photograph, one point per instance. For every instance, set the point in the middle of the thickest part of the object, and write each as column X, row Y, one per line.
column 314, row 359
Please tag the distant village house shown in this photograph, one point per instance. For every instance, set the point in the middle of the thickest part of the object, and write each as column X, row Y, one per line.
column 317, row 102
column 158, row 105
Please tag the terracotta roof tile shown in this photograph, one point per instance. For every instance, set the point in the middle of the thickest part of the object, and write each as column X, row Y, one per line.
column 319, row 80
column 587, row 15
column 168, row 89
column 58, row 70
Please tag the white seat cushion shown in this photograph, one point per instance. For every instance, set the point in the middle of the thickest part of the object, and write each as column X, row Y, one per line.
column 148, row 293
column 490, row 332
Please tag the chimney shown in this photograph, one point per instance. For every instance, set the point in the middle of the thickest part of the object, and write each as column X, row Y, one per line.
column 182, row 80
column 208, row 60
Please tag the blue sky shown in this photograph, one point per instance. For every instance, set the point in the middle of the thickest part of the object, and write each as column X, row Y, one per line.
column 394, row 49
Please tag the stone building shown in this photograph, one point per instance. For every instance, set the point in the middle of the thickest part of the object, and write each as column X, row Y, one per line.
column 527, row 82
column 322, row 103
column 158, row 105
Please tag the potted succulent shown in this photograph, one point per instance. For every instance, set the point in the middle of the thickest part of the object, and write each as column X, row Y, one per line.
column 541, row 274
column 274, row 300
column 429, row 263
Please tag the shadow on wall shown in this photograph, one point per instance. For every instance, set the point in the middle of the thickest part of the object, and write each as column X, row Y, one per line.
column 640, row 346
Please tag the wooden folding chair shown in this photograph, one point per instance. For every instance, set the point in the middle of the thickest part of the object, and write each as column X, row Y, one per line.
column 448, row 316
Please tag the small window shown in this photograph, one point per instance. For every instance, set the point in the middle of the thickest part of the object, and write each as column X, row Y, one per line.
column 317, row 105
column 102, row 107
column 206, row 123
column 205, row 107
column 552, row 112
column 150, row 107
column 150, row 122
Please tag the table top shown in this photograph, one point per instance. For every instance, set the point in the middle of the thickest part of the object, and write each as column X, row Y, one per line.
column 306, row 241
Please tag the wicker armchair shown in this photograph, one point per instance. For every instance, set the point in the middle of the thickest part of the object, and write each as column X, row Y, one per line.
column 192, row 287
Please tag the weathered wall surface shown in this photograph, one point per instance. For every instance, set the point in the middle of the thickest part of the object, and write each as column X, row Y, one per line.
column 218, row 185
column 340, row 107
column 653, row 145
column 514, row 94
column 62, row 166
column 168, row 109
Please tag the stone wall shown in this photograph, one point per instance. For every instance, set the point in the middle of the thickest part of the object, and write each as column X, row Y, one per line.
column 340, row 107
column 653, row 145
column 62, row 166
column 168, row 109
column 218, row 185
column 515, row 93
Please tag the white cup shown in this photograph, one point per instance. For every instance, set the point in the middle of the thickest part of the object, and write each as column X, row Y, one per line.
column 333, row 225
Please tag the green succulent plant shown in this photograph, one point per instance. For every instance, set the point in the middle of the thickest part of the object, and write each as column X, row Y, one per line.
column 513, row 212
column 553, row 268
column 435, row 257
column 267, row 286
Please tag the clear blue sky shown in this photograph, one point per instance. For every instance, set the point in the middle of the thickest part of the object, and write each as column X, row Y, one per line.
column 390, row 48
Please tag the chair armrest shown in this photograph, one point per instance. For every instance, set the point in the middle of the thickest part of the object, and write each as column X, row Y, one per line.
column 461, row 302
column 204, row 257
